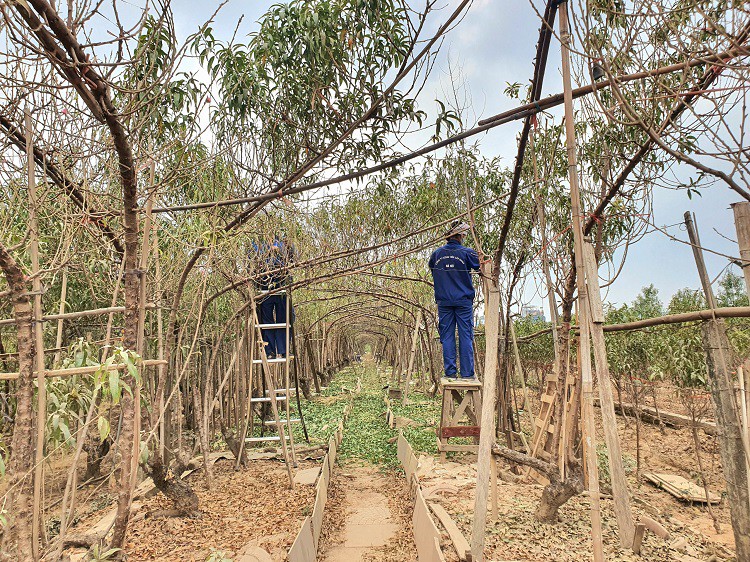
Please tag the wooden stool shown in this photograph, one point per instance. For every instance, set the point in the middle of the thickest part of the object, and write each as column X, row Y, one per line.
column 461, row 398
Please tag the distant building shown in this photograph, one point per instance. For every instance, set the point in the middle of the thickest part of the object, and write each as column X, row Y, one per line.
column 534, row 312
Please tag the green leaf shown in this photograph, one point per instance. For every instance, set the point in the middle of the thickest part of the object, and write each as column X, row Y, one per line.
column 103, row 425
column 132, row 369
column 114, row 386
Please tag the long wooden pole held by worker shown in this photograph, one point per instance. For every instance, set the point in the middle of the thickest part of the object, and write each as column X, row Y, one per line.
column 587, row 384
column 487, row 435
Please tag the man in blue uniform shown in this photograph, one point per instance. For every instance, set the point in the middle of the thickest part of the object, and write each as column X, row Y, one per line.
column 451, row 266
column 275, row 257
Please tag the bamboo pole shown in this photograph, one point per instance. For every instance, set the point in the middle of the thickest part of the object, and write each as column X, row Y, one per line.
column 620, row 491
column 519, row 369
column 287, row 377
column 587, row 383
column 80, row 314
column 412, row 354
column 160, row 340
column 489, row 391
column 63, row 296
column 735, row 446
column 36, row 287
column 140, row 345
column 742, row 226
column 666, row 320
column 248, row 405
column 90, row 370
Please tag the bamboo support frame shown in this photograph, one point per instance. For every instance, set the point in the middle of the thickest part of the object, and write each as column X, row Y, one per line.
column 587, row 406
column 80, row 314
column 90, row 370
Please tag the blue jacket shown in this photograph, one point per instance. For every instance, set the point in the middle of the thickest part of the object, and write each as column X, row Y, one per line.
column 451, row 267
column 270, row 261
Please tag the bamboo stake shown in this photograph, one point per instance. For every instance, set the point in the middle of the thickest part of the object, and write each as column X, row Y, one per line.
column 743, row 414
column 412, row 354
column 141, row 333
column 519, row 369
column 36, row 285
column 489, row 391
column 620, row 491
column 587, row 390
column 160, row 339
column 58, row 339
column 248, row 404
column 287, row 379
column 734, row 441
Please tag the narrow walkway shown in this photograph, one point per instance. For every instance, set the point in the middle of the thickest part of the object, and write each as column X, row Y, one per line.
column 368, row 521
column 368, row 514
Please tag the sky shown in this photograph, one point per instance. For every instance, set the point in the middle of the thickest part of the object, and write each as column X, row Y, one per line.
column 493, row 45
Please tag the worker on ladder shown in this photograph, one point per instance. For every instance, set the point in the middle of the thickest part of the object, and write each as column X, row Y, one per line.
column 275, row 257
column 451, row 266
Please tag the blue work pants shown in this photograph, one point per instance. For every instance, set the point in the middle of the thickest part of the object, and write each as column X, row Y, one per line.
column 272, row 310
column 450, row 317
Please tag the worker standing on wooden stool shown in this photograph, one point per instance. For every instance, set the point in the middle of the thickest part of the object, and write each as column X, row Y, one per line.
column 451, row 266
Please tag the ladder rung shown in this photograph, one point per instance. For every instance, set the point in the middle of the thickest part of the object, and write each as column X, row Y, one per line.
column 263, row 439
column 274, row 360
column 273, row 422
column 267, row 399
column 271, row 326
column 547, row 398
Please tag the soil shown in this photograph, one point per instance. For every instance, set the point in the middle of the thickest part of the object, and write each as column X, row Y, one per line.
column 516, row 535
column 252, row 506
column 368, row 517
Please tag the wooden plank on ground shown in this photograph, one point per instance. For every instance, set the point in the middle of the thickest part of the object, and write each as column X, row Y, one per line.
column 457, row 538
column 401, row 448
column 317, row 513
column 671, row 419
column 438, row 551
column 425, row 530
column 332, row 451
column 410, row 468
column 680, row 487
column 303, row 547
column 325, row 474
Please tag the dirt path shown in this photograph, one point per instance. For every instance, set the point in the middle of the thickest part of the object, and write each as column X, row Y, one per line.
column 367, row 518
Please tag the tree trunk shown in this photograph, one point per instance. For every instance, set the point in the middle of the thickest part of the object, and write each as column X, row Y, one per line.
column 19, row 468
column 555, row 494
column 176, row 489
column 95, row 452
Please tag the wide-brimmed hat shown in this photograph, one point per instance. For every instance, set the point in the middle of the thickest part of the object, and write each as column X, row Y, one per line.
column 457, row 227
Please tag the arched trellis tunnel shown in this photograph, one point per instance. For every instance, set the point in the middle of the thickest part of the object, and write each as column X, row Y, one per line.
column 134, row 195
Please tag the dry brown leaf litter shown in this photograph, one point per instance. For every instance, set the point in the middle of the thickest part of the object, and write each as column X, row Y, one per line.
column 252, row 505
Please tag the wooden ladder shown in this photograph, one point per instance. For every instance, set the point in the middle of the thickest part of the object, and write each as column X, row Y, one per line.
column 274, row 393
